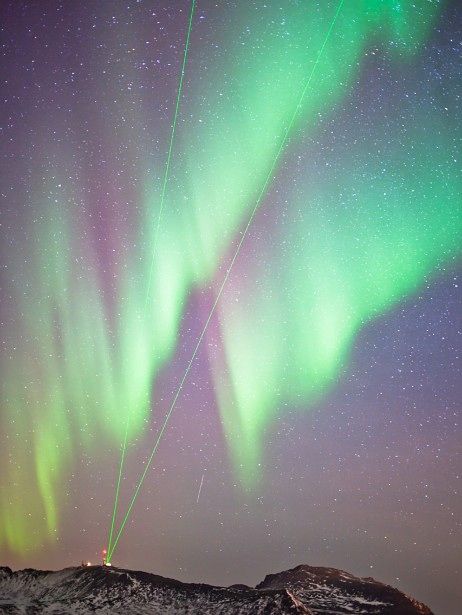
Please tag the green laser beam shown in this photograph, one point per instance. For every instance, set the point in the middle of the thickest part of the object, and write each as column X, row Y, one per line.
column 119, row 478
column 227, row 274
column 170, row 149
column 159, row 217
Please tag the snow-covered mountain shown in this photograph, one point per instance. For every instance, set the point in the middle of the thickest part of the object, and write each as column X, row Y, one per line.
column 327, row 590
column 98, row 589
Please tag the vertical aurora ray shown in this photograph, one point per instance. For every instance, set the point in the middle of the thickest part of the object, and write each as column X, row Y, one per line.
column 81, row 350
column 392, row 230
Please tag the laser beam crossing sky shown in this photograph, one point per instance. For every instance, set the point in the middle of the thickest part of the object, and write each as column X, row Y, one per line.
column 104, row 297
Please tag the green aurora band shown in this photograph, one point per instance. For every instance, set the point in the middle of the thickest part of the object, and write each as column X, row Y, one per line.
column 83, row 352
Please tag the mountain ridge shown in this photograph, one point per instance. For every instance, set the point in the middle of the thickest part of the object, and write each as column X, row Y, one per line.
column 301, row 590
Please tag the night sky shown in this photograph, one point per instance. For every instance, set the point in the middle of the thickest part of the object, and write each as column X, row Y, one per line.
column 303, row 371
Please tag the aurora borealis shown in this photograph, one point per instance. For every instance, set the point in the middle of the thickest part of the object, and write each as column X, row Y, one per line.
column 316, row 370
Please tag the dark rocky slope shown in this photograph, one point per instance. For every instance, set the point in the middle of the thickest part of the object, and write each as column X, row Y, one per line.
column 96, row 589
